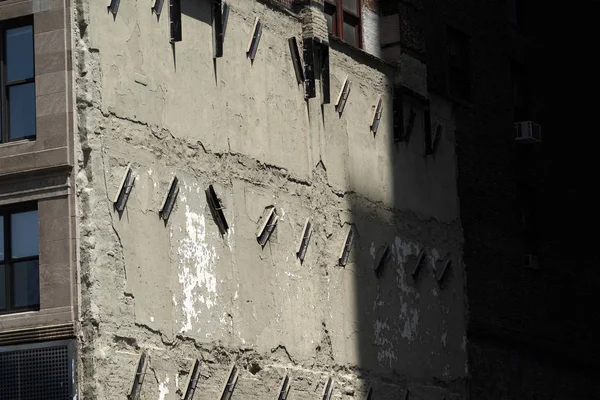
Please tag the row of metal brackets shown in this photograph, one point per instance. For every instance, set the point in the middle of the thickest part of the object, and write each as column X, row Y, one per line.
column 219, row 17
column 316, row 66
column 266, row 225
column 402, row 131
column 229, row 385
column 416, row 265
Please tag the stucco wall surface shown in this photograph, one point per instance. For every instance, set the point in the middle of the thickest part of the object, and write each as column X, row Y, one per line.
column 179, row 290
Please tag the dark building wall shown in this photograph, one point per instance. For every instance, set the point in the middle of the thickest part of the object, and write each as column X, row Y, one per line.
column 531, row 332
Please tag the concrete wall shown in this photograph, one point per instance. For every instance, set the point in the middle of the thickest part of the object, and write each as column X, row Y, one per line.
column 180, row 291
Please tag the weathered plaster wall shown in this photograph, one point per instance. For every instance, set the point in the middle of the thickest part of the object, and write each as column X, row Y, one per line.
column 181, row 291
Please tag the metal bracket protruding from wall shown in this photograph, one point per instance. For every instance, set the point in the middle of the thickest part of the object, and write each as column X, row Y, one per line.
column 418, row 262
column 266, row 225
column 220, row 15
column 347, row 246
column 169, row 200
column 232, row 379
column 376, row 115
column 254, row 39
column 193, row 381
column 157, row 7
column 125, row 187
column 370, row 395
column 216, row 209
column 296, row 61
column 380, row 266
column 284, row 388
column 114, row 6
column 175, row 20
column 343, row 95
column 304, row 240
column 439, row 130
column 139, row 378
column 328, row 389
column 445, row 265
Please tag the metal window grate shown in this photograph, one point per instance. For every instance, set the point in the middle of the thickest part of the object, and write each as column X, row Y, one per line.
column 34, row 372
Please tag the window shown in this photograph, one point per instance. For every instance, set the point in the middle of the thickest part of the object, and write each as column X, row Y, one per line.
column 17, row 83
column 459, row 74
column 19, row 259
column 344, row 20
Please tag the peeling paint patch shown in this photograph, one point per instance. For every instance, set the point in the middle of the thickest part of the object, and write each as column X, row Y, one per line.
column 151, row 319
column 411, row 322
column 444, row 337
column 372, row 250
column 378, row 302
column 463, row 345
column 435, row 255
column 196, row 269
column 446, row 372
column 434, row 292
column 231, row 237
column 403, row 249
column 386, row 352
column 163, row 389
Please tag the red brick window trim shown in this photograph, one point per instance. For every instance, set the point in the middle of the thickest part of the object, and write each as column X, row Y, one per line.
column 344, row 20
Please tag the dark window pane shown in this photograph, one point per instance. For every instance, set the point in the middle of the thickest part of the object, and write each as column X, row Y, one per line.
column 21, row 103
column 330, row 16
column 349, row 33
column 24, row 234
column 26, row 284
column 2, row 287
column 1, row 238
column 329, row 22
column 350, row 5
column 19, row 53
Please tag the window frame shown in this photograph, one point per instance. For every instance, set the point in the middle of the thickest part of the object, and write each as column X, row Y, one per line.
column 4, row 85
column 8, row 262
column 337, row 24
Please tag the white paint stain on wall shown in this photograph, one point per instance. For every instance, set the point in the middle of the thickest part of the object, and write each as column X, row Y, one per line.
column 444, row 337
column 163, row 389
column 435, row 255
column 196, row 269
column 411, row 322
column 409, row 316
column 386, row 353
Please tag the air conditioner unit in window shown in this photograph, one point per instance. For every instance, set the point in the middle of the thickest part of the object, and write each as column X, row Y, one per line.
column 528, row 132
column 530, row 261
